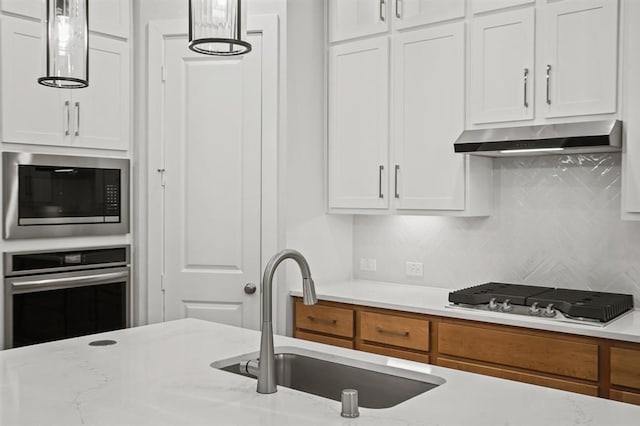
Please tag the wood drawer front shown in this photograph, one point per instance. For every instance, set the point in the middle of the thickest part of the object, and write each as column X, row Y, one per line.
column 628, row 397
column 625, row 367
column 545, row 354
column 327, row 340
column 519, row 376
column 325, row 319
column 395, row 330
column 395, row 353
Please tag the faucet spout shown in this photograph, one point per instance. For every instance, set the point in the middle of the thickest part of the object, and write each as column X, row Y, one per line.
column 267, row 362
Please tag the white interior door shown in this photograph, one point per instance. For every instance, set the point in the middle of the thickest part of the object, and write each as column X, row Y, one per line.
column 212, row 137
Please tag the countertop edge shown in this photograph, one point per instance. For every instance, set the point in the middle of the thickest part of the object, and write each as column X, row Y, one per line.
column 349, row 292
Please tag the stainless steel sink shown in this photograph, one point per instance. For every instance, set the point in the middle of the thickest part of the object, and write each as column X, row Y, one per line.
column 379, row 386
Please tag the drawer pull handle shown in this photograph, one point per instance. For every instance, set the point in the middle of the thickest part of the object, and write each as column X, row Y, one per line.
column 394, row 332
column 322, row 320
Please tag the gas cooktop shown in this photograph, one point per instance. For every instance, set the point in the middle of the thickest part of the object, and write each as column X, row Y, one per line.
column 585, row 307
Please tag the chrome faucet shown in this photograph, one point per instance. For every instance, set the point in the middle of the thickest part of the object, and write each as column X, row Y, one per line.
column 267, row 361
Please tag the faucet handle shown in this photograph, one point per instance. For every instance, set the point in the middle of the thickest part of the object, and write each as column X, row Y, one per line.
column 309, row 292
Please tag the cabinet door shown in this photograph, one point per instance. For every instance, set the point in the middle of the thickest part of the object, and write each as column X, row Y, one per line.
column 411, row 13
column 481, row 6
column 580, row 60
column 33, row 9
column 100, row 113
column 428, row 117
column 109, row 17
column 357, row 18
column 358, row 124
column 502, row 52
column 31, row 113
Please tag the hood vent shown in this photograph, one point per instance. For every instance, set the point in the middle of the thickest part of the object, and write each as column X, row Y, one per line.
column 570, row 138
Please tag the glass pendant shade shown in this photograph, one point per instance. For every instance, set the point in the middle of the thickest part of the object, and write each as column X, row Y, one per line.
column 218, row 27
column 67, row 44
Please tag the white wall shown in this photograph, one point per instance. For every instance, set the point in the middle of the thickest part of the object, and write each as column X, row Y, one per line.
column 556, row 221
column 325, row 240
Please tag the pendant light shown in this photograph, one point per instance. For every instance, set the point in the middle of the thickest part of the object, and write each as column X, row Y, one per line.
column 218, row 27
column 67, row 44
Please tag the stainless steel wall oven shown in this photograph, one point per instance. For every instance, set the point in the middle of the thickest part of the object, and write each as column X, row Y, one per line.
column 58, row 195
column 51, row 295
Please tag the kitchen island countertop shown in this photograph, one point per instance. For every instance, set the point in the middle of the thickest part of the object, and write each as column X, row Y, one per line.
column 160, row 375
column 433, row 301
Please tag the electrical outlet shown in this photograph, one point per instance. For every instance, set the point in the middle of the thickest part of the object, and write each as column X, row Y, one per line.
column 414, row 269
column 368, row 265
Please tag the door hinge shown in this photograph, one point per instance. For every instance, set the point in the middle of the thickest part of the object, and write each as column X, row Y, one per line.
column 163, row 177
column 163, row 73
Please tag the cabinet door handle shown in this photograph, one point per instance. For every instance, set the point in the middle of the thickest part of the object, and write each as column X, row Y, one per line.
column 77, row 118
column 526, row 78
column 382, row 7
column 397, row 195
column 398, row 9
column 67, row 108
column 380, row 194
column 548, row 84
column 394, row 332
column 322, row 320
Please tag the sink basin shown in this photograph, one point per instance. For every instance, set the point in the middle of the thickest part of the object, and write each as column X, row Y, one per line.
column 379, row 386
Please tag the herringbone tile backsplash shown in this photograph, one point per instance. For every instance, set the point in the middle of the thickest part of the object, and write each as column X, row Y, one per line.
column 556, row 221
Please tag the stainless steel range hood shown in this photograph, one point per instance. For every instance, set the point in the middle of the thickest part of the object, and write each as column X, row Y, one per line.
column 570, row 138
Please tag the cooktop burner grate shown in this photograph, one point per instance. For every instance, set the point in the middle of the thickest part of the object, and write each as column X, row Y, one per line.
column 591, row 305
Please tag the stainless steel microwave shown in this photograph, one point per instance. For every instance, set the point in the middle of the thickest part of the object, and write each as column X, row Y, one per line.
column 59, row 196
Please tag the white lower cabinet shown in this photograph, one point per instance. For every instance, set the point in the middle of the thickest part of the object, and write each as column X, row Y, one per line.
column 93, row 117
column 428, row 117
column 358, row 124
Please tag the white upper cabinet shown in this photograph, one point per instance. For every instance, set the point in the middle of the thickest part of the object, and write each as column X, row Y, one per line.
column 357, row 18
column 100, row 112
column 502, row 67
column 482, row 6
column 358, row 124
column 410, row 13
column 428, row 117
column 105, row 16
column 94, row 117
column 109, row 17
column 33, row 9
column 580, row 57
column 31, row 113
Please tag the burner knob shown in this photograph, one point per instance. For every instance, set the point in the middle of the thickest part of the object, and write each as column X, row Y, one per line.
column 493, row 306
column 506, row 306
column 534, row 310
column 549, row 311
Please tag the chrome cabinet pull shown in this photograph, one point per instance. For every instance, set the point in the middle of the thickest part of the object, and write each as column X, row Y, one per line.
column 548, row 84
column 397, row 195
column 67, row 107
column 394, row 332
column 382, row 7
column 323, row 320
column 526, row 78
column 380, row 194
column 398, row 10
column 77, row 118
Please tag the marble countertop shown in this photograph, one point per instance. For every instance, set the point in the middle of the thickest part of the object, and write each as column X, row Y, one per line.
column 160, row 375
column 433, row 301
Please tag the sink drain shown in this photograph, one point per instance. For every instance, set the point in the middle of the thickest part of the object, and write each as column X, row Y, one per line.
column 103, row 343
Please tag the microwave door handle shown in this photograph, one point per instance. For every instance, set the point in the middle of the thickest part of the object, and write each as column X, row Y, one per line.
column 66, row 282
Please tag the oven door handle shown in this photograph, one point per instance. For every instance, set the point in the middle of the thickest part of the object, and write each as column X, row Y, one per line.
column 77, row 281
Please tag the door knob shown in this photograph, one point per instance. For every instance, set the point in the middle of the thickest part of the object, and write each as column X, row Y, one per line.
column 250, row 288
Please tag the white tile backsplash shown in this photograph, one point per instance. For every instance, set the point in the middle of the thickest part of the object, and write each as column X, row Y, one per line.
column 556, row 221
